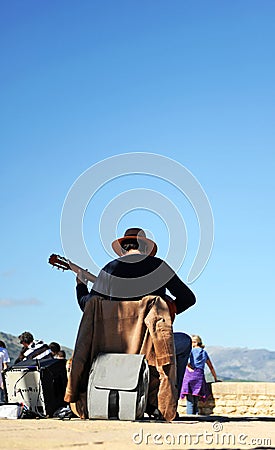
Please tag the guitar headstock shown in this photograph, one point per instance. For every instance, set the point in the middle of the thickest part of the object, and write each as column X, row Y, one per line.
column 59, row 261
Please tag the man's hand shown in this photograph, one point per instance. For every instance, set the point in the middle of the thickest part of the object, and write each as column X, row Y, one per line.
column 80, row 278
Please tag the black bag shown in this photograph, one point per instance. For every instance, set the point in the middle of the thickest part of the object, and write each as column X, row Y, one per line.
column 118, row 386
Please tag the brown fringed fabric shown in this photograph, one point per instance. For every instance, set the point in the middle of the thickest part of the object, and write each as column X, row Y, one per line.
column 140, row 327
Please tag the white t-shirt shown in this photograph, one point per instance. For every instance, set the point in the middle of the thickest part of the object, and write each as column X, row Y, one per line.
column 6, row 355
column 1, row 368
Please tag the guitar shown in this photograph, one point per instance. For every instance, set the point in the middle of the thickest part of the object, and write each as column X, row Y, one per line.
column 65, row 264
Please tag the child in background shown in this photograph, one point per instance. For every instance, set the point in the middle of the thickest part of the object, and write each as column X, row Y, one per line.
column 194, row 385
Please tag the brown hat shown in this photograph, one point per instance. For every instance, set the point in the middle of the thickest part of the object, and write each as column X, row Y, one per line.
column 139, row 235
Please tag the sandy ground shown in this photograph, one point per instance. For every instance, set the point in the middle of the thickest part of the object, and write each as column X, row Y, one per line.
column 197, row 432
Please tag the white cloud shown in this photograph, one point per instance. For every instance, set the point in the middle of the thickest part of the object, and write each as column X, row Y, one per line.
column 11, row 302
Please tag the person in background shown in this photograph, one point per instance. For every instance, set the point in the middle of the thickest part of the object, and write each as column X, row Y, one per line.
column 61, row 354
column 194, row 385
column 32, row 348
column 3, row 366
column 55, row 348
column 69, row 365
column 2, row 399
column 4, row 350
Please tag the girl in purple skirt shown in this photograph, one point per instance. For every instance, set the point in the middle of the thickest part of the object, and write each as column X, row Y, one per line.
column 194, row 386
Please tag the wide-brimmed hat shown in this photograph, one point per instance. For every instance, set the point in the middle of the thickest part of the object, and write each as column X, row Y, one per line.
column 139, row 235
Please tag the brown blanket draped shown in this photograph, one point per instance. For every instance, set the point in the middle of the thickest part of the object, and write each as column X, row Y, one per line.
column 140, row 327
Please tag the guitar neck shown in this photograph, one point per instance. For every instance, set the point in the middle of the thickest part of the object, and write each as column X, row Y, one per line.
column 75, row 268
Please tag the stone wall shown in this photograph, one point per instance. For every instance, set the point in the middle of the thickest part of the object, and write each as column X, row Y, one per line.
column 237, row 399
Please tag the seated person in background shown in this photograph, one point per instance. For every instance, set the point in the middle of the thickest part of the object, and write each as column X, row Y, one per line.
column 61, row 354
column 55, row 348
column 32, row 348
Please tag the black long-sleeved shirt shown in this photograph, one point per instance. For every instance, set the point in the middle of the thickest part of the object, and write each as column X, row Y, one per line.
column 135, row 275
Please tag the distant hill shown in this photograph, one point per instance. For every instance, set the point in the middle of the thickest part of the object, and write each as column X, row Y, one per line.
column 231, row 363
column 237, row 363
column 14, row 347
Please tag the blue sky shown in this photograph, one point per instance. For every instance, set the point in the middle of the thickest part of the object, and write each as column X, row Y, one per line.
column 191, row 81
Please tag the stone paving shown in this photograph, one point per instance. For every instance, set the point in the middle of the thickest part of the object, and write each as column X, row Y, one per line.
column 192, row 432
